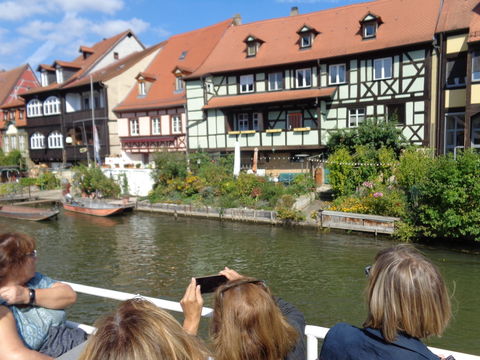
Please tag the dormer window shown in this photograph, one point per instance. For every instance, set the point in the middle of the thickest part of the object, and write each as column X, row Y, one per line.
column 145, row 81
column 86, row 51
column 59, row 73
column 179, row 85
column 307, row 34
column 253, row 44
column 142, row 90
column 44, row 78
column 182, row 55
column 369, row 25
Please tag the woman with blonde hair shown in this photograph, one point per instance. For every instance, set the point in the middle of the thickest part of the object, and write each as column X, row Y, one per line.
column 139, row 330
column 407, row 300
column 248, row 322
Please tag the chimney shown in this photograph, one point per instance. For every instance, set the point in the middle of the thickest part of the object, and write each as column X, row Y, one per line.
column 237, row 19
column 294, row 11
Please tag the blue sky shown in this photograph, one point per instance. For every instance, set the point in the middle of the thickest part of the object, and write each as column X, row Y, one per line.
column 41, row 31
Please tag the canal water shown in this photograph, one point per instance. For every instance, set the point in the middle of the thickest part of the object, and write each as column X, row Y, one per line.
column 322, row 273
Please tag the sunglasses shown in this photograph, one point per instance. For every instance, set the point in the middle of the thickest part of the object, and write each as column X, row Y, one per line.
column 231, row 286
column 367, row 270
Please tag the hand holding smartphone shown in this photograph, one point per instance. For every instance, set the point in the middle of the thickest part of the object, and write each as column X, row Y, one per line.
column 209, row 284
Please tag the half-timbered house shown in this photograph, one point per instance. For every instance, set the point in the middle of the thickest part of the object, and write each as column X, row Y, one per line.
column 13, row 83
column 59, row 114
column 286, row 83
column 152, row 116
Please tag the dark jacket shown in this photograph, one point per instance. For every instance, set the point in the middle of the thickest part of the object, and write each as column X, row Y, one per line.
column 296, row 319
column 347, row 342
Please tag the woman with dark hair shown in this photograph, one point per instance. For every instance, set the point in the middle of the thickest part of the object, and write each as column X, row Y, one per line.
column 248, row 322
column 139, row 330
column 31, row 304
column 407, row 301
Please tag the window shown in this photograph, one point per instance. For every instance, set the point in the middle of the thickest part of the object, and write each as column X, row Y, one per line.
column 176, row 124
column 13, row 142
column 12, row 115
column 5, row 116
column 457, row 71
column 86, row 101
column 51, row 106
column 306, row 40
column 34, row 108
column 134, row 130
column 37, row 141
column 454, row 132
column 142, row 91
column 382, row 68
column 275, row 81
column 304, row 78
column 356, row 117
column 116, row 56
column 476, row 66
column 294, row 120
column 179, row 86
column 156, row 126
column 6, row 145
column 396, row 113
column 55, row 140
column 182, row 55
column 21, row 143
column 20, row 114
column 44, row 78
column 336, row 74
column 475, row 141
column 246, row 83
column 369, row 30
column 251, row 48
column 59, row 73
column 248, row 121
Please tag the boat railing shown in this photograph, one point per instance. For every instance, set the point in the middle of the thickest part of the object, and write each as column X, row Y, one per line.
column 313, row 333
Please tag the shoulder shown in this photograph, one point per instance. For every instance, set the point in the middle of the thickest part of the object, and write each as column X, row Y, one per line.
column 40, row 281
column 340, row 339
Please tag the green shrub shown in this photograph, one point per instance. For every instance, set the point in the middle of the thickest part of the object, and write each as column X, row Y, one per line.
column 92, row 180
column 47, row 181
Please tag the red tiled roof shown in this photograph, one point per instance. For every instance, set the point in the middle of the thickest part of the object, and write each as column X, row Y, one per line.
column 116, row 68
column 404, row 22
column 86, row 49
column 8, row 80
column 67, row 64
column 13, row 104
column 474, row 33
column 146, row 76
column 45, row 67
column 268, row 97
column 194, row 46
column 457, row 14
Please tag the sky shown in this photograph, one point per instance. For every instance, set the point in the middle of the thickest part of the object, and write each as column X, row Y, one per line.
column 41, row 31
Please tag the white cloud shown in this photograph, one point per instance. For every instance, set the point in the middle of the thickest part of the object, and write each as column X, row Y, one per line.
column 23, row 9
column 112, row 27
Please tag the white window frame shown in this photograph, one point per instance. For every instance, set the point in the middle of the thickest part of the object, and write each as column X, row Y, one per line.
column 134, row 127
column 252, row 48
column 44, row 78
column 242, row 122
column 37, row 141
column 156, row 130
column 278, row 82
column 55, row 140
column 335, row 70
column 21, row 143
column 355, row 117
column 34, row 108
column 247, row 83
column 59, row 75
column 256, row 117
column 476, row 63
column 179, row 84
column 306, row 40
column 6, row 144
column 385, row 63
column 367, row 26
column 142, row 89
column 460, row 117
column 306, row 78
column 13, row 142
column 51, row 106
column 176, row 124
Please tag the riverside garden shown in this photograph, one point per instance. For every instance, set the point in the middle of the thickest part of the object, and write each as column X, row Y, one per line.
column 372, row 170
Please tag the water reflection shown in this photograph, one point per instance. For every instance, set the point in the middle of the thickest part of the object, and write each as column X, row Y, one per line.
column 320, row 272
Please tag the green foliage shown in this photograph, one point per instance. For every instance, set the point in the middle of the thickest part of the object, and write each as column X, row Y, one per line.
column 290, row 215
column 14, row 158
column 91, row 180
column 47, row 181
column 301, row 184
column 28, row 181
column 342, row 172
column 169, row 165
column 372, row 133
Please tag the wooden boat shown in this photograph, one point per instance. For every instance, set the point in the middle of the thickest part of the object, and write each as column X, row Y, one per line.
column 26, row 213
column 95, row 207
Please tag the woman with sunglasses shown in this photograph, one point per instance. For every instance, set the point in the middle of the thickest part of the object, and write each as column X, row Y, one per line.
column 31, row 304
column 407, row 301
column 248, row 322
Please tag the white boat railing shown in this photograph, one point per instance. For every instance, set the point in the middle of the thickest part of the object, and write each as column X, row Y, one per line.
column 313, row 333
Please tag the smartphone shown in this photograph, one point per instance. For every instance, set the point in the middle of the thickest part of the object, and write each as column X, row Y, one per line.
column 209, row 284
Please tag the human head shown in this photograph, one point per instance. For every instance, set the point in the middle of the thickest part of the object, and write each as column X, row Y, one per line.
column 139, row 330
column 15, row 253
column 247, row 323
column 406, row 293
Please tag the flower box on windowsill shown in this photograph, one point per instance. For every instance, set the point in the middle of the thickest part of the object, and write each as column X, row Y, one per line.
column 273, row 130
column 248, row 132
column 301, row 129
column 234, row 133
